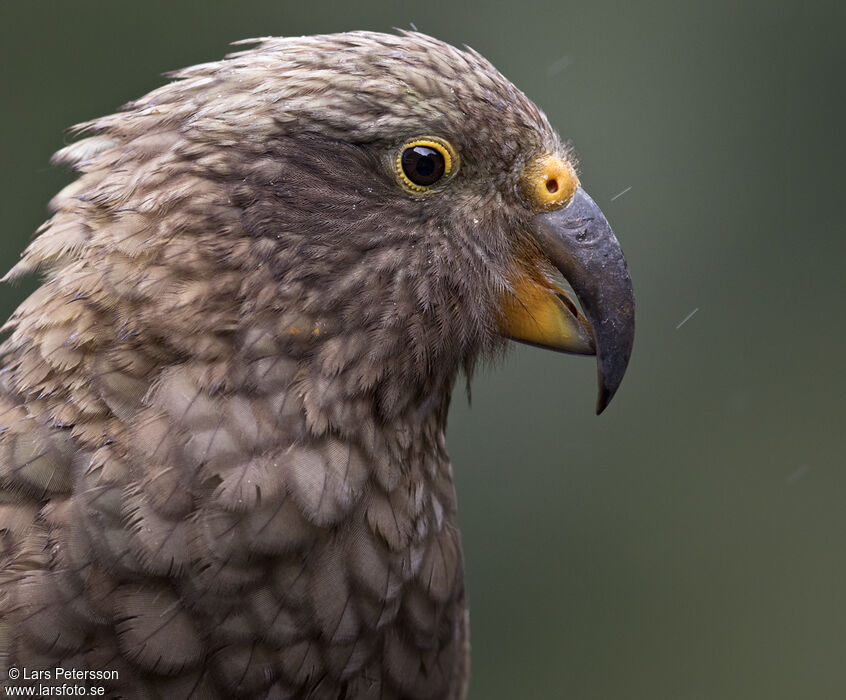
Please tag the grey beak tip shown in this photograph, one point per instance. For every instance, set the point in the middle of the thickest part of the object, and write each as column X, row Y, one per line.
column 579, row 242
column 603, row 399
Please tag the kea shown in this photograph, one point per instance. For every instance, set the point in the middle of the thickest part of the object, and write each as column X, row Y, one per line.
column 223, row 471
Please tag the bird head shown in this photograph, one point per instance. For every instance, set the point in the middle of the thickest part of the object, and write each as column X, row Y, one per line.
column 396, row 204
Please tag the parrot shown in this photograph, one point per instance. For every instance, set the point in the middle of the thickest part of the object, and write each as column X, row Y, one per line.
column 223, row 470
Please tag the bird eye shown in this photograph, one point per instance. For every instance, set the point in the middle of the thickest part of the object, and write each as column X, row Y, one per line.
column 423, row 162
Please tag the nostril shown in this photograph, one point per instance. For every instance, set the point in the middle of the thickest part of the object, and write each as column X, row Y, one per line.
column 552, row 185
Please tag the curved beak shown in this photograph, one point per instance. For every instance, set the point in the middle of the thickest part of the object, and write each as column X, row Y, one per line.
column 578, row 240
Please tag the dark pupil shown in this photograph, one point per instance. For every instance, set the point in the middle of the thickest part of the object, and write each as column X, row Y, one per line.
column 423, row 165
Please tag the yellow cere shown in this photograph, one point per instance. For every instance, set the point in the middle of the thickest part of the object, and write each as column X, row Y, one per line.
column 549, row 182
column 443, row 147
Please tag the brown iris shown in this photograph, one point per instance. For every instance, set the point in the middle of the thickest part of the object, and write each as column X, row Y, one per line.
column 422, row 163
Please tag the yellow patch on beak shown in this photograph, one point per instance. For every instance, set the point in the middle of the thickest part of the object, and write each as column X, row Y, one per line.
column 548, row 182
column 537, row 312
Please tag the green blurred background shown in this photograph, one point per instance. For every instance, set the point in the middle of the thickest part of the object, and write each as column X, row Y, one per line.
column 689, row 543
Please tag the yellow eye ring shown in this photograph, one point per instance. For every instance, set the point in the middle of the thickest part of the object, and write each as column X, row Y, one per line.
column 422, row 163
